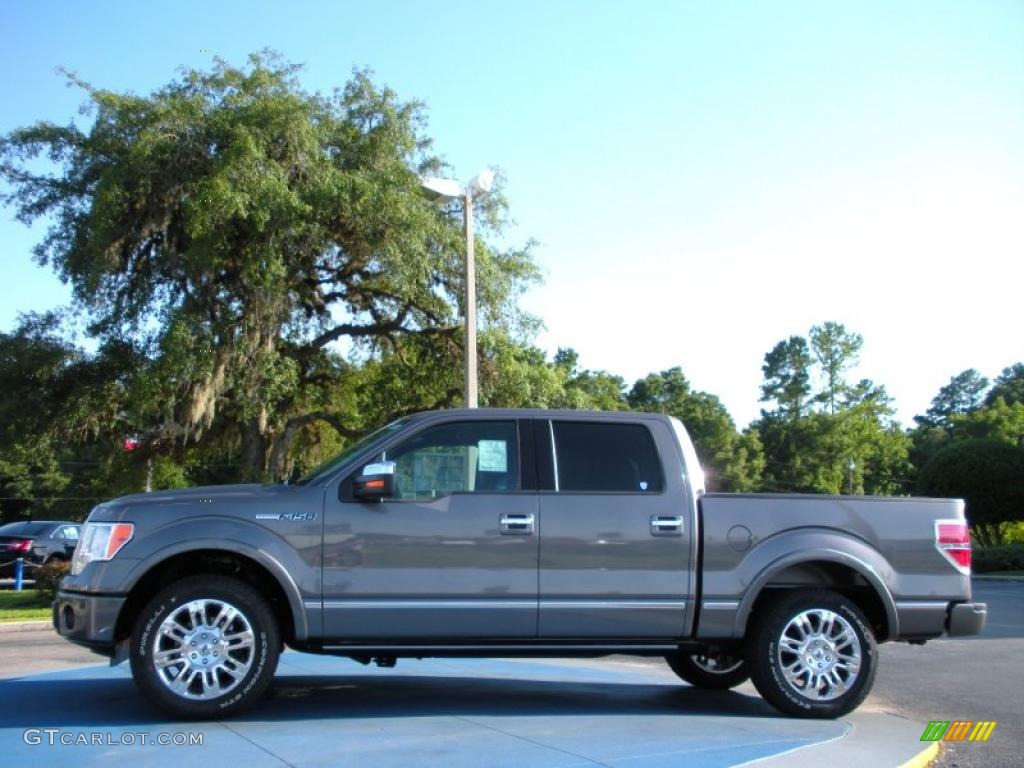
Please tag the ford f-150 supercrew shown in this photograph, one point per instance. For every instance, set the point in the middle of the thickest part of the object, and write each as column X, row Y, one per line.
column 514, row 533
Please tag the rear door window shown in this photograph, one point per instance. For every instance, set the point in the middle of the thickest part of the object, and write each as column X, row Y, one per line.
column 606, row 458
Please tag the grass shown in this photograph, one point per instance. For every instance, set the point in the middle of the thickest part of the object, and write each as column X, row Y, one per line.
column 27, row 605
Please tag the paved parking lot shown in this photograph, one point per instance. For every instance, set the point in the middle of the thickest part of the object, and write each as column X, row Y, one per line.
column 973, row 678
column 623, row 712
column 325, row 711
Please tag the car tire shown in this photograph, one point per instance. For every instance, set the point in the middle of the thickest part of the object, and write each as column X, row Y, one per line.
column 205, row 647
column 711, row 671
column 812, row 654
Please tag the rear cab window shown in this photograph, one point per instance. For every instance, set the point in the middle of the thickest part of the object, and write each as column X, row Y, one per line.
column 605, row 457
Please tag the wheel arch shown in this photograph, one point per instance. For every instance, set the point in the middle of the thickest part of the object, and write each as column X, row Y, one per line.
column 197, row 557
column 855, row 577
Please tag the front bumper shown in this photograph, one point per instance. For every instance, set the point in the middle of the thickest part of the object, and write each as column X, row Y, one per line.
column 966, row 619
column 88, row 619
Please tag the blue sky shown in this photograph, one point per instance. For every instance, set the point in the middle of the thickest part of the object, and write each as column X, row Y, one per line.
column 705, row 178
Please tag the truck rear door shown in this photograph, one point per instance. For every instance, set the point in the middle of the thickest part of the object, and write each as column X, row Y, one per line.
column 615, row 534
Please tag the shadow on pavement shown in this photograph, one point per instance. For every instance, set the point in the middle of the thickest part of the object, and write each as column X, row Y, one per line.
column 102, row 700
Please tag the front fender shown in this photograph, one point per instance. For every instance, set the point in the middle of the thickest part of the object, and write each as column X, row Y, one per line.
column 298, row 577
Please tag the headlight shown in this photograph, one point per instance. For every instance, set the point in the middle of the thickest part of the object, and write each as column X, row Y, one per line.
column 100, row 541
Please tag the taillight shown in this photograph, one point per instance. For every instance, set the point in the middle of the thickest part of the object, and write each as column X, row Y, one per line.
column 20, row 546
column 954, row 541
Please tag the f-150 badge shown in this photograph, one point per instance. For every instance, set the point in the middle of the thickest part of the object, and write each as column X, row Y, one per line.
column 292, row 516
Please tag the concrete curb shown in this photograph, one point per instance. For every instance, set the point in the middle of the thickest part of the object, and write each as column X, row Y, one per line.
column 24, row 626
column 923, row 758
column 874, row 738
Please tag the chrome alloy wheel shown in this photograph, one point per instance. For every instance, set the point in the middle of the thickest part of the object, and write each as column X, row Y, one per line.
column 203, row 649
column 717, row 664
column 819, row 654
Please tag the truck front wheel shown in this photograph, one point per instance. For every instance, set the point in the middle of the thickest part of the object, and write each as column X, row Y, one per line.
column 715, row 671
column 205, row 647
column 812, row 654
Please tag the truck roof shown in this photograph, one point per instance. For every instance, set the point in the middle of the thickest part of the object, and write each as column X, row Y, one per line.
column 540, row 413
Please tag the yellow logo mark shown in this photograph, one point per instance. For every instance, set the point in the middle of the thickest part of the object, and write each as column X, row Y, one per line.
column 982, row 731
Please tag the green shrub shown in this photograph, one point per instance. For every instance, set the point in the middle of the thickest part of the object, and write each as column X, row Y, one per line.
column 48, row 578
column 1013, row 533
column 1001, row 557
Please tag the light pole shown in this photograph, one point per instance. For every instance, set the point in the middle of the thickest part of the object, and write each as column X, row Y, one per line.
column 449, row 189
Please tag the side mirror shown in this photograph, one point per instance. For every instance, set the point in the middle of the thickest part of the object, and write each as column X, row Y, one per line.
column 376, row 482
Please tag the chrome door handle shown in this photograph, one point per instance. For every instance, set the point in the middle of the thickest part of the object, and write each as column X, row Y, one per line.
column 666, row 525
column 517, row 525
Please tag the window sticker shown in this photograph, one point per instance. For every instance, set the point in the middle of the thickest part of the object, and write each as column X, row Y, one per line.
column 493, row 456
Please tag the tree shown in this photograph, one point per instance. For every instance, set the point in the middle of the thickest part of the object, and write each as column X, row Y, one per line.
column 516, row 375
column 237, row 229
column 958, row 413
column 787, row 377
column 836, row 350
column 1009, row 385
column 987, row 474
column 598, row 390
column 869, row 437
column 791, row 459
column 998, row 421
column 961, row 395
column 849, row 442
column 31, row 358
column 734, row 460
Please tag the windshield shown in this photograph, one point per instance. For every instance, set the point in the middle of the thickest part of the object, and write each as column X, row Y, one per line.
column 24, row 529
column 328, row 467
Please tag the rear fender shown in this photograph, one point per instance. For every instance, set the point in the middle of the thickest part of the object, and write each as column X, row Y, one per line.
column 778, row 553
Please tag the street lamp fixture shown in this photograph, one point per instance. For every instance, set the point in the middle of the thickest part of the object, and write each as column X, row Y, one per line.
column 449, row 189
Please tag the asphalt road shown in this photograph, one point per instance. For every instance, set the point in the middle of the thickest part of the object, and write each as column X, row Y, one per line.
column 980, row 678
column 950, row 679
column 27, row 652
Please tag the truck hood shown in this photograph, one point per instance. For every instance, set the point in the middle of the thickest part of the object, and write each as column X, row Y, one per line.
column 189, row 495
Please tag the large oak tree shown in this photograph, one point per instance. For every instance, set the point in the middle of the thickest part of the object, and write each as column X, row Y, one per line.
column 246, row 235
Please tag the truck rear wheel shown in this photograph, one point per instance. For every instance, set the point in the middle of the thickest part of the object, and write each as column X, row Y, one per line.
column 205, row 647
column 716, row 671
column 812, row 654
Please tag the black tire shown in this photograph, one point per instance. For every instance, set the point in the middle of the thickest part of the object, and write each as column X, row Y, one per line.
column 241, row 666
column 838, row 685
column 719, row 671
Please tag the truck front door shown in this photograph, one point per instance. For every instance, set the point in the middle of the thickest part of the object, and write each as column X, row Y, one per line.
column 452, row 555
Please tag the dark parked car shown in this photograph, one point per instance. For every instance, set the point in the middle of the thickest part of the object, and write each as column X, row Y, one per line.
column 38, row 541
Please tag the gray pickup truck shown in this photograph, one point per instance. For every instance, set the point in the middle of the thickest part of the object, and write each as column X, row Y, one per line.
column 515, row 533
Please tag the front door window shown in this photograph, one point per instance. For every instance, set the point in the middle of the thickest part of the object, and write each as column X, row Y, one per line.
column 460, row 457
